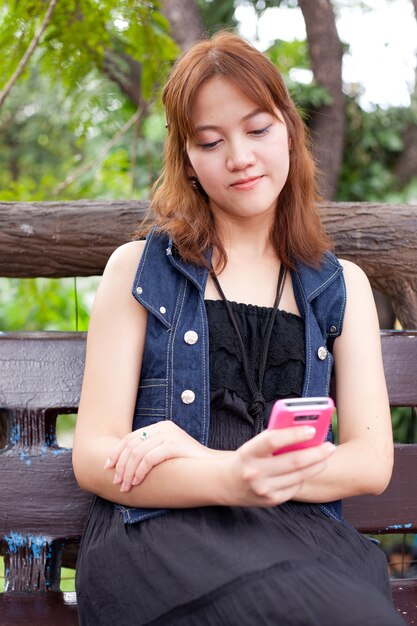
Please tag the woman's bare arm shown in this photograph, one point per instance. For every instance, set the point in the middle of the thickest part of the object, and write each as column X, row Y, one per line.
column 363, row 461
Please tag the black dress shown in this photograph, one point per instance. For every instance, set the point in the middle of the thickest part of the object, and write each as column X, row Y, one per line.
column 289, row 565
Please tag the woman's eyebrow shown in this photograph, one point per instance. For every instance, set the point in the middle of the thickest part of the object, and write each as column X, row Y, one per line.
column 245, row 118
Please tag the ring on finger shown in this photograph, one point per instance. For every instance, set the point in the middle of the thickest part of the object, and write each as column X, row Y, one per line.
column 144, row 435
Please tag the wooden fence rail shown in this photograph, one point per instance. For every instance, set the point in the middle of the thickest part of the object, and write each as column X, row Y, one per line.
column 76, row 238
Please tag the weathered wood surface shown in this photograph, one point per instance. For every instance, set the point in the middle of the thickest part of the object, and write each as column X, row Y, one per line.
column 41, row 370
column 396, row 510
column 40, row 377
column 399, row 353
column 404, row 595
column 42, row 609
column 39, row 496
column 76, row 239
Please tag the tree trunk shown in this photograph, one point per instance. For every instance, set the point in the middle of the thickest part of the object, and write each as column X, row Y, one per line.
column 327, row 122
column 185, row 20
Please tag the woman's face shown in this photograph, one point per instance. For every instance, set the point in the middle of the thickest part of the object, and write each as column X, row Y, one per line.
column 240, row 153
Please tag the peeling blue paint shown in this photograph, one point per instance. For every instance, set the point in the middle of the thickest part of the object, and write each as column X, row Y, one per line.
column 37, row 543
column 15, row 434
column 24, row 458
column 15, row 541
column 58, row 451
column 399, row 526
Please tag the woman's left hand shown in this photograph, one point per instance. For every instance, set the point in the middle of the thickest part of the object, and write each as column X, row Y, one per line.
column 139, row 451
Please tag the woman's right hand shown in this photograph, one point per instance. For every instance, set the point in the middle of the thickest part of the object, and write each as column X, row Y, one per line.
column 256, row 477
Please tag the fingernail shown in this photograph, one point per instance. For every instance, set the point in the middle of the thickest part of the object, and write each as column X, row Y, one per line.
column 124, row 487
column 116, row 479
column 135, row 482
column 107, row 463
column 331, row 447
column 309, row 431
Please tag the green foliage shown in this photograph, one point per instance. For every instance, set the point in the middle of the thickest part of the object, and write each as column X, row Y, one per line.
column 81, row 32
column 373, row 141
column 67, row 579
column 35, row 128
column 45, row 304
column 404, row 424
column 217, row 14
column 290, row 57
column 67, row 106
column 287, row 55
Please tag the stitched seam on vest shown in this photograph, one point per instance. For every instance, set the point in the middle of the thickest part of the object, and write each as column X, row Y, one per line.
column 306, row 382
column 309, row 356
column 205, row 383
column 144, row 255
column 329, row 513
column 323, row 285
column 150, row 386
column 329, row 372
column 177, row 317
column 342, row 310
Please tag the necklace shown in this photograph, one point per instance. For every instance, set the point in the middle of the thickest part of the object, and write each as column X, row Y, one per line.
column 257, row 405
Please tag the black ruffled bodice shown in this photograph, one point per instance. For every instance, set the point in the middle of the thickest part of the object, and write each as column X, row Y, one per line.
column 231, row 422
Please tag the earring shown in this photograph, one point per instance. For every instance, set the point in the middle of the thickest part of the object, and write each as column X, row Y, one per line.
column 193, row 180
column 196, row 185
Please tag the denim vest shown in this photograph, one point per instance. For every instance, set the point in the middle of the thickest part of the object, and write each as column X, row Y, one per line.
column 174, row 382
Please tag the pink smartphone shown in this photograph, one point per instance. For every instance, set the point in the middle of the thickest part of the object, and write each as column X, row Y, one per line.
column 315, row 412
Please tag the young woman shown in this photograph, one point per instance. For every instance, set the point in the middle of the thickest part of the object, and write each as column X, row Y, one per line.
column 236, row 303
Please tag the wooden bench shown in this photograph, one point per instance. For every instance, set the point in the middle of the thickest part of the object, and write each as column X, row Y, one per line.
column 43, row 511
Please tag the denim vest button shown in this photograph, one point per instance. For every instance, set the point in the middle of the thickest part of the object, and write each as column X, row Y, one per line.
column 322, row 353
column 188, row 396
column 332, row 329
column 191, row 337
column 139, row 290
column 162, row 310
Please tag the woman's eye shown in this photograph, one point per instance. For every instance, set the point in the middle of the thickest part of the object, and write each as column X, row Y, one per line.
column 211, row 144
column 260, row 131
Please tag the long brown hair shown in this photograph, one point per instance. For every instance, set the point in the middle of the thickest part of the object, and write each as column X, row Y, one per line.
column 184, row 212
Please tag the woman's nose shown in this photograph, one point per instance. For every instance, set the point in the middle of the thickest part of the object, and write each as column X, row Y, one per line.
column 239, row 156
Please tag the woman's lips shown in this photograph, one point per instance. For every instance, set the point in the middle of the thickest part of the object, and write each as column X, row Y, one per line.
column 246, row 183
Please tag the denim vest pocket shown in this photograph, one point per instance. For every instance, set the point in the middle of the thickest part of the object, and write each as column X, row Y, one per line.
column 151, row 402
